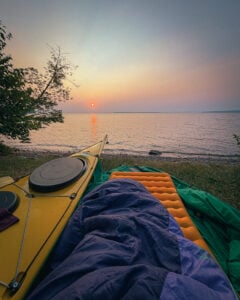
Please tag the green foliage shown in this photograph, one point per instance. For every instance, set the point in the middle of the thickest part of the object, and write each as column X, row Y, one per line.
column 28, row 98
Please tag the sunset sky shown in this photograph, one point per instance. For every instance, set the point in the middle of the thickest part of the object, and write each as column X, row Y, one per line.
column 134, row 55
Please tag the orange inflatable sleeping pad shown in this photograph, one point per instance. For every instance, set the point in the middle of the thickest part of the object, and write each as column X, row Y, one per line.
column 162, row 187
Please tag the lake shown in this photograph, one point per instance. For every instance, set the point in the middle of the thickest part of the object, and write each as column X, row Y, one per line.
column 173, row 134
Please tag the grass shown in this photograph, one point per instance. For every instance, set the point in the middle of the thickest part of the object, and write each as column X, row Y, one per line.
column 222, row 179
column 20, row 165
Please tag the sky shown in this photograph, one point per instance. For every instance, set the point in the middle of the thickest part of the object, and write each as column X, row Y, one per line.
column 134, row 55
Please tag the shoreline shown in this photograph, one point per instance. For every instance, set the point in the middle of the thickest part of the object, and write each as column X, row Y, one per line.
column 159, row 158
column 192, row 158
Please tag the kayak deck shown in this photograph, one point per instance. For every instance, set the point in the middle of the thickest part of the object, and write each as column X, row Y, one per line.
column 42, row 217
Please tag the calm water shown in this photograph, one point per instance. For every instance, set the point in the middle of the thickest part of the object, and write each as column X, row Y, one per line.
column 174, row 134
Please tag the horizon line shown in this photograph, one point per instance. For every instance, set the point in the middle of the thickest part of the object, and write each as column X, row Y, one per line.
column 153, row 112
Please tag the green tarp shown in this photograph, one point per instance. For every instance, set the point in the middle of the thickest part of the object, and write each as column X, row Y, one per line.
column 218, row 222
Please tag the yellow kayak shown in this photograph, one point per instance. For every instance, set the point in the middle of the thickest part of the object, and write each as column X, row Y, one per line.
column 35, row 210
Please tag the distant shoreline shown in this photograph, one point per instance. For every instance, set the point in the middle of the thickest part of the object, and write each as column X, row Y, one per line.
column 153, row 112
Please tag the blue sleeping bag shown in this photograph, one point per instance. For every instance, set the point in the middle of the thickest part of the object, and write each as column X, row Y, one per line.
column 121, row 243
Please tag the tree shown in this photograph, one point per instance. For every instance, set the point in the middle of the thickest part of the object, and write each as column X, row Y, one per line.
column 28, row 98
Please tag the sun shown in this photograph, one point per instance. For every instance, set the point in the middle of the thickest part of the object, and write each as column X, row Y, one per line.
column 92, row 105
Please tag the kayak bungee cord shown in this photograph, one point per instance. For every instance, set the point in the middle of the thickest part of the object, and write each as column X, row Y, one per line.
column 4, row 284
column 14, row 283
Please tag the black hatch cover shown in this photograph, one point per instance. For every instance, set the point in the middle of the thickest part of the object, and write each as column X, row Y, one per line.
column 56, row 174
column 8, row 200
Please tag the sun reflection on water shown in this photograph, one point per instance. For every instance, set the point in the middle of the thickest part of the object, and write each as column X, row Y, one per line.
column 94, row 125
